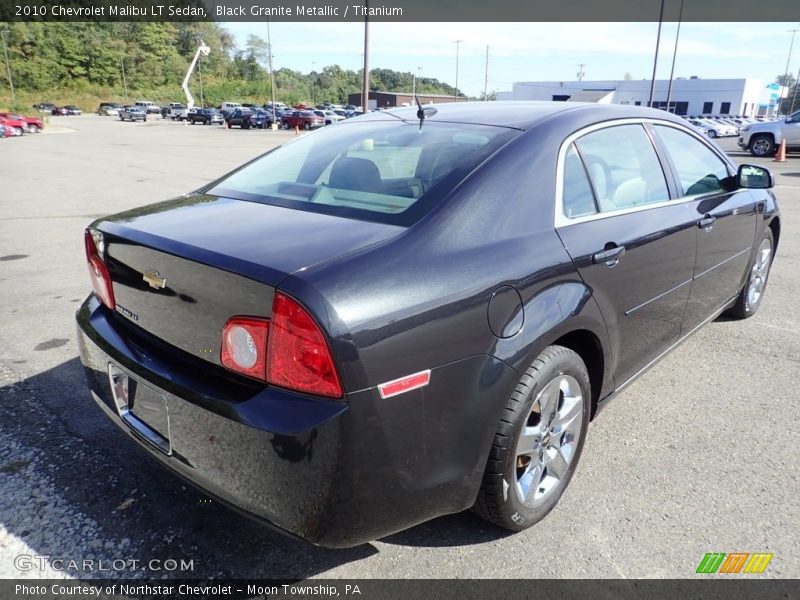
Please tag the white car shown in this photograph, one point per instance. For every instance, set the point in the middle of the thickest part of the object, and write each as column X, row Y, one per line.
column 762, row 139
column 711, row 129
column 329, row 116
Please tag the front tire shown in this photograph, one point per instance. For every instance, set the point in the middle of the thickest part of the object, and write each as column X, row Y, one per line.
column 762, row 145
column 538, row 441
column 752, row 292
column 712, row 133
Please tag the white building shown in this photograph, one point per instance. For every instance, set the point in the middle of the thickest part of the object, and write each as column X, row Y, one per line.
column 692, row 96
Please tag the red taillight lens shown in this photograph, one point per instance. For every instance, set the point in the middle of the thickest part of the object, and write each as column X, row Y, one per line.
column 98, row 272
column 244, row 346
column 299, row 358
column 289, row 350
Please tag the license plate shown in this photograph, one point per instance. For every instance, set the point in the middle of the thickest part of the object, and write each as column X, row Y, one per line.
column 141, row 407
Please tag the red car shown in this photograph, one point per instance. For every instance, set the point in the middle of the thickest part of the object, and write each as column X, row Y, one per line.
column 17, row 125
column 31, row 124
column 302, row 118
column 5, row 131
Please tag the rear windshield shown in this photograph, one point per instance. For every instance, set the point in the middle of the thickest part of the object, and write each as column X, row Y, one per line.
column 386, row 171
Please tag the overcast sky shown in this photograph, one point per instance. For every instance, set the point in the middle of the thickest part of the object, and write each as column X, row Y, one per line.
column 535, row 51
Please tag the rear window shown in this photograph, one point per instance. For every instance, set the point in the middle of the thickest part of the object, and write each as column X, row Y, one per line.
column 386, row 171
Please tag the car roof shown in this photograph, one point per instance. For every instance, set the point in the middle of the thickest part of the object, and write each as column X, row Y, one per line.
column 519, row 114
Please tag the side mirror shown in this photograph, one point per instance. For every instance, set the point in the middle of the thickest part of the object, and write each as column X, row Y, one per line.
column 754, row 178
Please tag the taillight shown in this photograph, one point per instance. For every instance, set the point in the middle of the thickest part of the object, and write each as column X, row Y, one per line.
column 98, row 271
column 244, row 346
column 289, row 350
column 299, row 357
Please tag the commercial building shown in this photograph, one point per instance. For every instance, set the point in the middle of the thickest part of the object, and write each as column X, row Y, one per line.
column 393, row 99
column 692, row 96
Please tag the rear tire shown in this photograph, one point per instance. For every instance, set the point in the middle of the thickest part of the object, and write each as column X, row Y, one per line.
column 752, row 293
column 538, row 441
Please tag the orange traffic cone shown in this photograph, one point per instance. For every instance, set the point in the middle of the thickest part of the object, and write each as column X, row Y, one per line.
column 297, row 129
column 780, row 156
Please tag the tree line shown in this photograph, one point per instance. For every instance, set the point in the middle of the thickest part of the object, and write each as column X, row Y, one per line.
column 128, row 61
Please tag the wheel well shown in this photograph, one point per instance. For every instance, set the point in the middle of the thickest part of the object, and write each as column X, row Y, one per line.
column 588, row 347
column 764, row 133
column 775, row 226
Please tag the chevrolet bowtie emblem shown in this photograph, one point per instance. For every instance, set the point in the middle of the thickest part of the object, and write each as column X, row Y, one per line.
column 155, row 280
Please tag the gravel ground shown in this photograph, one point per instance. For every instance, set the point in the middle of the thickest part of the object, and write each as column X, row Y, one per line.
column 700, row 455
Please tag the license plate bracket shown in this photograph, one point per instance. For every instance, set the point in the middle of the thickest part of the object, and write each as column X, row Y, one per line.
column 141, row 408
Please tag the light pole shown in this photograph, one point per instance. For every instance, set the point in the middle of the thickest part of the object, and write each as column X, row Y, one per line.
column 486, row 75
column 414, row 82
column 271, row 78
column 455, row 91
column 788, row 60
column 365, row 80
column 655, row 56
column 580, row 71
column 8, row 69
column 674, row 55
column 313, row 83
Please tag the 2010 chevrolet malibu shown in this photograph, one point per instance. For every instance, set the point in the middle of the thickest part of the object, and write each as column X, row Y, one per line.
column 417, row 311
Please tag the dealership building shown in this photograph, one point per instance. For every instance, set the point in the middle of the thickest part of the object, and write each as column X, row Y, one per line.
column 692, row 96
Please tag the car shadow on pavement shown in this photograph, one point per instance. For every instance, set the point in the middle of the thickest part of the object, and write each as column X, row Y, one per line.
column 462, row 529
column 74, row 487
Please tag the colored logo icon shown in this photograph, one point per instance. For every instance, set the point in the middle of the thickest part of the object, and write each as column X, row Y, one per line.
column 733, row 563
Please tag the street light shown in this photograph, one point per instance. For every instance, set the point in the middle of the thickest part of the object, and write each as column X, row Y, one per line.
column 414, row 82
column 455, row 91
column 788, row 60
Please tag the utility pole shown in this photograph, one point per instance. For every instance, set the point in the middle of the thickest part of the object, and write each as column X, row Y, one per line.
column 655, row 57
column 674, row 55
column 365, row 81
column 455, row 91
column 271, row 78
column 200, row 77
column 794, row 96
column 486, row 75
column 788, row 60
column 580, row 71
column 8, row 70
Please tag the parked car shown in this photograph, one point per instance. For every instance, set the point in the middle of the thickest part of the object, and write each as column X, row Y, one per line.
column 132, row 113
column 304, row 119
column 763, row 139
column 72, row 110
column 150, row 108
column 229, row 107
column 13, row 122
column 261, row 119
column 29, row 124
column 108, row 109
column 238, row 117
column 175, row 111
column 712, row 130
column 329, row 116
column 391, row 327
column 206, row 116
column 5, row 131
column 45, row 107
column 60, row 111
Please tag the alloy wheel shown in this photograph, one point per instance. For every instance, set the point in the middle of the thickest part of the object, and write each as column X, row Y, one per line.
column 759, row 273
column 549, row 439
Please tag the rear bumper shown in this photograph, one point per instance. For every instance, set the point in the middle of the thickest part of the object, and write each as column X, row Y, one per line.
column 333, row 473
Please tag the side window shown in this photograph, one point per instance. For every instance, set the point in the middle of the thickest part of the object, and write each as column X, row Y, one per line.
column 578, row 197
column 623, row 167
column 700, row 170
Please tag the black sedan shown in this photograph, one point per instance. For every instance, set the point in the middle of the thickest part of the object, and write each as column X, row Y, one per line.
column 417, row 312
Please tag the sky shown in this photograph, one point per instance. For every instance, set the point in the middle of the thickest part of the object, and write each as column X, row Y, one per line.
column 535, row 51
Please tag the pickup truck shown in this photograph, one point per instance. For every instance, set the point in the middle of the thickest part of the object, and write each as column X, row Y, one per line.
column 762, row 139
column 175, row 111
column 301, row 118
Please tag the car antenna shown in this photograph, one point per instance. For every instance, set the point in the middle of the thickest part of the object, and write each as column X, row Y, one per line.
column 420, row 112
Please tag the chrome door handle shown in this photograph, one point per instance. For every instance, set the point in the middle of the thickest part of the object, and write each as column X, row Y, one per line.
column 609, row 256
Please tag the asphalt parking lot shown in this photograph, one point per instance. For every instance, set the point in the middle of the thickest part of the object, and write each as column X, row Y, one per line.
column 699, row 455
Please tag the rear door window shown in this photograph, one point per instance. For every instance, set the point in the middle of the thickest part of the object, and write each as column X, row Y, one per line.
column 623, row 167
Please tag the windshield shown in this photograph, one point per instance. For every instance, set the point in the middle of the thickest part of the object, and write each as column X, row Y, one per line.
column 386, row 171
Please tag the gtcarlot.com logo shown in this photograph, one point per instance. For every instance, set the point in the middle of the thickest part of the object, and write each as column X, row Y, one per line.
column 41, row 562
column 734, row 563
